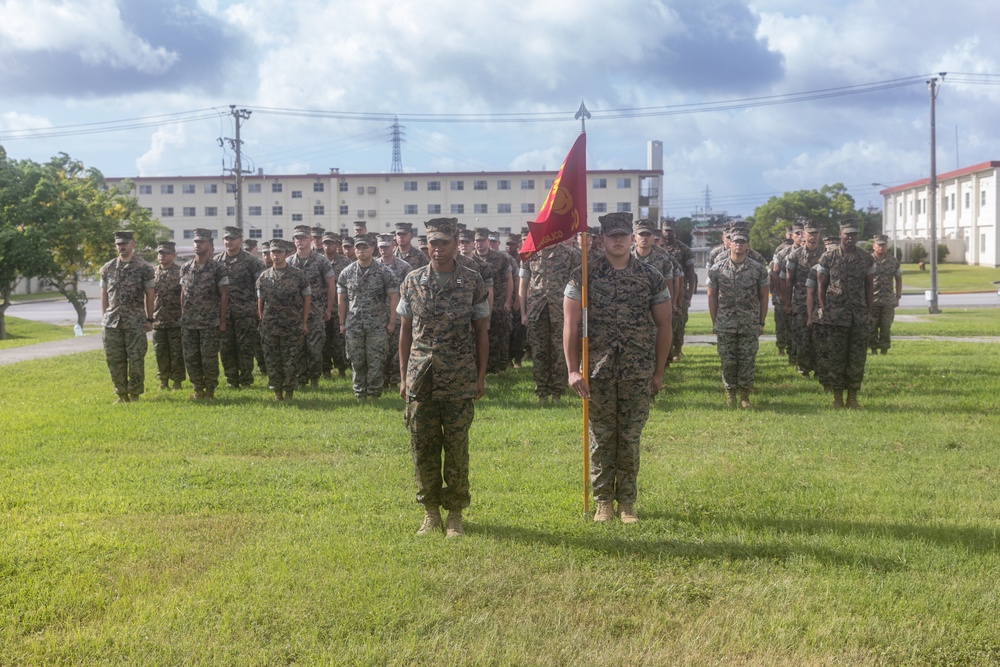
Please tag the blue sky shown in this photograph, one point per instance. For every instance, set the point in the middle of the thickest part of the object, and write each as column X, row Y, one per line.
column 104, row 61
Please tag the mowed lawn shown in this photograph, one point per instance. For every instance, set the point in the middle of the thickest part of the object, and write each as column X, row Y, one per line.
column 253, row 533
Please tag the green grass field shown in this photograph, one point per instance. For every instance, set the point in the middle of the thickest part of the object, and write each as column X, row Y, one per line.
column 26, row 332
column 951, row 278
column 253, row 533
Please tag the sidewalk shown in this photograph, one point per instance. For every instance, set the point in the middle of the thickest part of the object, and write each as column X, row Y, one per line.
column 53, row 348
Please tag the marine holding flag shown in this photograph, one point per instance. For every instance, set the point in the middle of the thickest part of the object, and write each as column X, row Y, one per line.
column 630, row 331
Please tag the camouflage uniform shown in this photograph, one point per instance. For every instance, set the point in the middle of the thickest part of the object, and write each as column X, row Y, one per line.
column 782, row 326
column 317, row 269
column 737, row 320
column 399, row 268
column 167, row 324
column 499, row 319
column 441, row 380
column 367, row 292
column 797, row 265
column 547, row 273
column 124, row 322
column 283, row 293
column 334, row 355
column 685, row 258
column 200, row 321
column 622, row 345
column 658, row 258
column 238, row 345
column 887, row 270
column 846, row 314
column 517, row 330
column 413, row 257
column 820, row 331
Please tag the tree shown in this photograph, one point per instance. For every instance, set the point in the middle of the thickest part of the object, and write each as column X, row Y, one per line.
column 825, row 207
column 76, row 214
column 21, row 249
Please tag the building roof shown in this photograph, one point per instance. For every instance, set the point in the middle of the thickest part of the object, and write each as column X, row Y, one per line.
column 423, row 174
column 983, row 166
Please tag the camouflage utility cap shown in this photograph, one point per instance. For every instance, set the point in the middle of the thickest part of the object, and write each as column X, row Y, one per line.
column 168, row 247
column 619, row 222
column 249, row 244
column 384, row 240
column 644, row 225
column 849, row 226
column 124, row 236
column 363, row 240
column 232, row 233
column 442, row 229
column 482, row 234
column 881, row 239
column 202, row 234
column 317, row 231
column 404, row 227
column 331, row 237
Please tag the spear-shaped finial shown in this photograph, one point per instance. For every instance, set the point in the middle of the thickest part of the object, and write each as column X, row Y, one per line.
column 583, row 115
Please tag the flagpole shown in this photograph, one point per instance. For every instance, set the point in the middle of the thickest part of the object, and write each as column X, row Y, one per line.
column 583, row 115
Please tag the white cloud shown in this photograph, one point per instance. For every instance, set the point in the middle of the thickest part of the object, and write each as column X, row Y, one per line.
column 165, row 143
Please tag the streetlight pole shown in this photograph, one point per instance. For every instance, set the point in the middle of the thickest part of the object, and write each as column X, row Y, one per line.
column 884, row 215
column 932, row 308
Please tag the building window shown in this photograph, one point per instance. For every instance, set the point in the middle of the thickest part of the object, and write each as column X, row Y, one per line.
column 167, row 212
column 188, row 234
column 527, row 184
column 319, row 210
column 372, row 213
column 254, row 211
column 187, row 189
column 277, row 210
column 255, row 233
column 211, row 188
column 189, row 212
column 276, row 187
column 253, row 187
column 230, row 188
column 600, row 207
column 296, row 217
column 277, row 233
column 457, row 209
column 344, row 210
column 548, row 183
column 458, row 185
column 600, row 183
column 503, row 208
column 230, row 211
column 480, row 208
column 409, row 209
column 433, row 186
column 982, row 199
column 361, row 214
column 479, row 185
column 361, row 189
column 967, row 200
column 296, row 194
column 166, row 189
column 434, row 209
column 503, row 185
column 145, row 189
column 341, row 187
column 901, row 209
column 982, row 241
column 503, row 231
column 624, row 207
column 409, row 186
column 624, row 183
column 371, row 189
column 527, row 208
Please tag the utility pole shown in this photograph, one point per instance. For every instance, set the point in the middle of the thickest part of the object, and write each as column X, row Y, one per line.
column 397, row 153
column 932, row 308
column 239, row 115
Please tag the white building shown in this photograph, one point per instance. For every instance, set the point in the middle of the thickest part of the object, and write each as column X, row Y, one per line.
column 967, row 214
column 274, row 204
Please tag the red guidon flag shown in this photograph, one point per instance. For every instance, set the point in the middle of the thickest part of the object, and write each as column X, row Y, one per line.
column 564, row 212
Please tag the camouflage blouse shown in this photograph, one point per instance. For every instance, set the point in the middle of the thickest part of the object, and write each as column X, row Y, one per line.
column 167, row 299
column 126, row 284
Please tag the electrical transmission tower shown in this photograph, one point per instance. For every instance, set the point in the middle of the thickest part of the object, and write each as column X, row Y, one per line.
column 397, row 139
column 708, row 200
column 239, row 115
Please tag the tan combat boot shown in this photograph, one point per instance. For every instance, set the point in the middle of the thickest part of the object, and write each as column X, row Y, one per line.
column 432, row 521
column 852, row 399
column 164, row 384
column 730, row 397
column 289, row 394
column 626, row 512
column 122, row 398
column 278, row 395
column 133, row 398
column 454, row 525
column 605, row 511
column 198, row 395
column 209, row 394
column 745, row 399
column 838, row 398
column 177, row 385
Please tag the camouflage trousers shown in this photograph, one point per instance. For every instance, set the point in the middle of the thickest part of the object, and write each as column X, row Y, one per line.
column 882, row 318
column 782, row 328
column 499, row 337
column 618, row 412
column 169, row 354
column 436, row 428
column 805, row 350
column 517, row 334
column 847, row 352
column 283, row 354
column 679, row 325
column 311, row 360
column 238, row 347
column 738, row 353
column 366, row 350
column 390, row 375
column 201, row 356
column 549, row 364
column 334, row 355
column 821, row 345
column 125, row 350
